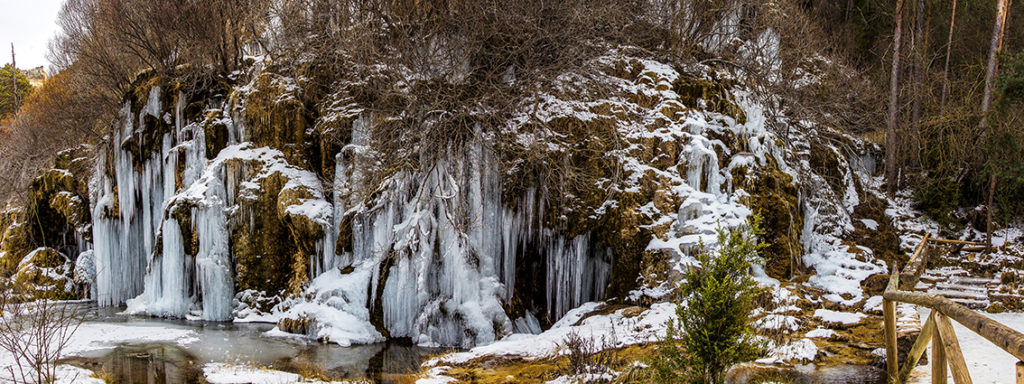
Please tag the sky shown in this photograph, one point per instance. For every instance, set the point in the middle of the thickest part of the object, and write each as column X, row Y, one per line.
column 29, row 24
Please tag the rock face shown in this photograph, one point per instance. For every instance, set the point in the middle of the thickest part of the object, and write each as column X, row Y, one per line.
column 41, row 240
column 263, row 198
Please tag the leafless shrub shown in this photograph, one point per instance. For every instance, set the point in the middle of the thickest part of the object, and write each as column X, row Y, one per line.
column 35, row 333
column 589, row 355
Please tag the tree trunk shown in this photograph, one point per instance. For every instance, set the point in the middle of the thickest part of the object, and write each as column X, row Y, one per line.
column 891, row 173
column 990, row 74
column 14, row 82
column 945, row 70
column 988, row 212
column 919, row 47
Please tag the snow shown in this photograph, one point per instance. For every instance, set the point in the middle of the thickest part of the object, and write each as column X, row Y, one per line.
column 845, row 318
column 778, row 322
column 986, row 362
column 217, row 373
column 802, row 350
column 837, row 269
column 85, row 268
column 92, row 338
column 574, row 316
column 436, row 376
column 337, row 309
column 821, row 333
column 647, row 327
column 69, row 374
column 870, row 224
column 584, row 378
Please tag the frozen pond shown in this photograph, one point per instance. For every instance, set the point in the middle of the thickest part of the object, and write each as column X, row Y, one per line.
column 131, row 349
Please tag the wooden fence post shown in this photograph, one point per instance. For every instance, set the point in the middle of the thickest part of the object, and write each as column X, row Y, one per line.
column 938, row 356
column 918, row 349
column 891, row 351
column 954, row 356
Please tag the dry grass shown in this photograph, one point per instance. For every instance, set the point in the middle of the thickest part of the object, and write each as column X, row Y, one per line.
column 505, row 370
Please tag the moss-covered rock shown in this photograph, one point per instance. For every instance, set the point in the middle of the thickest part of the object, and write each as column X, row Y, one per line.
column 196, row 90
column 45, row 273
column 216, row 135
column 277, row 116
column 715, row 95
column 14, row 240
column 272, row 244
column 883, row 238
column 57, row 211
column 826, row 163
column 773, row 195
column 40, row 240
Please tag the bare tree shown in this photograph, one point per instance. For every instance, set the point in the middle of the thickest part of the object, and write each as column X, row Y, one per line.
column 14, row 80
column 945, row 70
column 107, row 42
column 994, row 48
column 919, row 50
column 998, row 30
column 891, row 168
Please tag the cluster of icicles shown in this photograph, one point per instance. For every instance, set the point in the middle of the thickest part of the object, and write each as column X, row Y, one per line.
column 449, row 240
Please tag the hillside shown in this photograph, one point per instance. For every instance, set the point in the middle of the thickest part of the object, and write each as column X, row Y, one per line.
column 494, row 181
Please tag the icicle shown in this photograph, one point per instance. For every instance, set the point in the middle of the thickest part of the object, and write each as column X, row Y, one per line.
column 213, row 261
column 166, row 283
column 574, row 277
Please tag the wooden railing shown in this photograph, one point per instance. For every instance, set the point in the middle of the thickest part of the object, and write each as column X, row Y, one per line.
column 938, row 329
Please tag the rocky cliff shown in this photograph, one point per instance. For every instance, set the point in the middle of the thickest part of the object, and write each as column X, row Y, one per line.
column 266, row 196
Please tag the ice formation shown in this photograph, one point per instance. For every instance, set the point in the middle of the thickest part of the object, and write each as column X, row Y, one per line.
column 434, row 253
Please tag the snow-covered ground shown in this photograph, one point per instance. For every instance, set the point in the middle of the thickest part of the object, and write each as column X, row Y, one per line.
column 987, row 363
column 617, row 328
column 235, row 354
column 92, row 338
column 230, row 374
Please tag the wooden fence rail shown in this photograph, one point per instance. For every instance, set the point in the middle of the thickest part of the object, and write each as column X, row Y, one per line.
column 938, row 329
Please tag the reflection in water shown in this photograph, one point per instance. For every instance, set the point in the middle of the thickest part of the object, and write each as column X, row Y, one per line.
column 397, row 359
column 241, row 344
column 171, row 364
column 378, row 362
column 151, row 364
column 808, row 374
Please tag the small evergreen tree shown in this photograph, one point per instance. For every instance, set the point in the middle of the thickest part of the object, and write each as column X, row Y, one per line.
column 713, row 330
column 7, row 90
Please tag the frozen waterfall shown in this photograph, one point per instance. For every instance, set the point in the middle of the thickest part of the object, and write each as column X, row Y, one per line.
column 438, row 248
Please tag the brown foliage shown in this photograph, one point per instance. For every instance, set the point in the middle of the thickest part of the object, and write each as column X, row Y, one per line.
column 53, row 118
column 109, row 41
